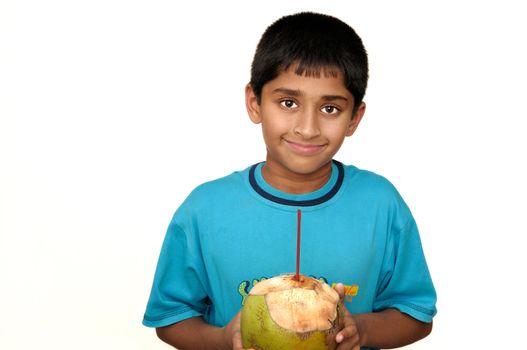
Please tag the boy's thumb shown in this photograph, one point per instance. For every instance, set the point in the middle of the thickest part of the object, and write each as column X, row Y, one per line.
column 339, row 288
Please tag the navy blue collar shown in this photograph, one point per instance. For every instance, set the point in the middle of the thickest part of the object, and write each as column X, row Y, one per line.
column 298, row 203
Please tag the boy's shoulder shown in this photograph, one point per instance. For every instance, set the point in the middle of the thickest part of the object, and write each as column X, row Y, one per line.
column 367, row 179
column 371, row 187
column 220, row 188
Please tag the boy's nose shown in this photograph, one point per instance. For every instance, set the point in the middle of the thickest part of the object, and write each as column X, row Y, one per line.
column 307, row 125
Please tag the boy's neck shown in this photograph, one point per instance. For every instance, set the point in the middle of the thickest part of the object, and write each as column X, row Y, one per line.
column 294, row 183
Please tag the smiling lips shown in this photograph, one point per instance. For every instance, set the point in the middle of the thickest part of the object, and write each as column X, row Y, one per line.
column 304, row 149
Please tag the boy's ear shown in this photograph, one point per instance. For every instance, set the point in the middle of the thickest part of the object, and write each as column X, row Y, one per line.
column 251, row 103
column 355, row 119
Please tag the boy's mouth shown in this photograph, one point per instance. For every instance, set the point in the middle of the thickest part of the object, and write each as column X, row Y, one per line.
column 305, row 148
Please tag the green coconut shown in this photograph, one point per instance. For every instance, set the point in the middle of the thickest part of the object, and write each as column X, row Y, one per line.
column 283, row 313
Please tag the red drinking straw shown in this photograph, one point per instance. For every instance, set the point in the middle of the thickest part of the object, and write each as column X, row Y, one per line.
column 299, row 219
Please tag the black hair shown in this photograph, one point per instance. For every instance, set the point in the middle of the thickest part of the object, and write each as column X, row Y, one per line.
column 312, row 42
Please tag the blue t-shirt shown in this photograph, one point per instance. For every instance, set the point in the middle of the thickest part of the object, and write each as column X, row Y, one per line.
column 232, row 232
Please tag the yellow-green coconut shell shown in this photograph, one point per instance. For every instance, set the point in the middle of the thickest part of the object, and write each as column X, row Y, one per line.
column 282, row 313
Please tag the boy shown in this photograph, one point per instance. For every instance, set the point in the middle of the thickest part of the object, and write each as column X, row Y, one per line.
column 308, row 79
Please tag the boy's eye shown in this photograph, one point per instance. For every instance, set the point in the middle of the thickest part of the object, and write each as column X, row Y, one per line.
column 330, row 109
column 288, row 103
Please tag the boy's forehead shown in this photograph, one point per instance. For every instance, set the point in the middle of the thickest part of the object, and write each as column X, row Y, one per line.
column 325, row 79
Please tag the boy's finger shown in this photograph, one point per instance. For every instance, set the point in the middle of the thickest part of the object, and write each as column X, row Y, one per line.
column 348, row 339
column 343, row 334
column 237, row 341
column 349, row 344
column 339, row 287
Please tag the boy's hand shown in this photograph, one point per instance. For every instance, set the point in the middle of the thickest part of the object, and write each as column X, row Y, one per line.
column 348, row 337
column 232, row 330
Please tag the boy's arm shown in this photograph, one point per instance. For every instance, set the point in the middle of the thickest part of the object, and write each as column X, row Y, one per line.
column 194, row 333
column 386, row 329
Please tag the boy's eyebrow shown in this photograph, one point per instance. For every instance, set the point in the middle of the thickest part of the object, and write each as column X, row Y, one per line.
column 334, row 97
column 292, row 92
column 286, row 91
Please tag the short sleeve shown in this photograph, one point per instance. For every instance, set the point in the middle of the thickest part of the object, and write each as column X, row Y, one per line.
column 178, row 290
column 405, row 282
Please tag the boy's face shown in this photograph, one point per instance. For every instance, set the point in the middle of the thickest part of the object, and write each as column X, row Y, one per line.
column 304, row 121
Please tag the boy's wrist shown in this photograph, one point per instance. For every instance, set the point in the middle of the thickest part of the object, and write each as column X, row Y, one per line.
column 361, row 325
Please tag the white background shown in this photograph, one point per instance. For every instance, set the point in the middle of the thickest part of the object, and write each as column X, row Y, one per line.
column 112, row 111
